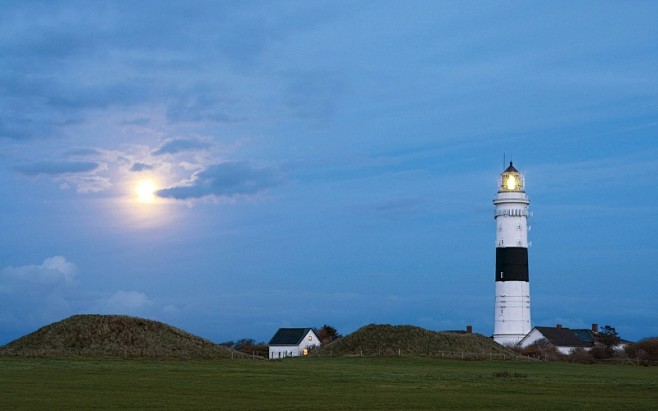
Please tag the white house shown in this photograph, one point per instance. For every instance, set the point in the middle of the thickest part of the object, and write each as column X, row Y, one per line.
column 564, row 339
column 292, row 342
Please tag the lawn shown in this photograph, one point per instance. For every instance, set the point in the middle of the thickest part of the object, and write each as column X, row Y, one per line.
column 385, row 383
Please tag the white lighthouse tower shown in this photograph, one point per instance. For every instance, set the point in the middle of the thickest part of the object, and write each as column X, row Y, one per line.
column 512, row 307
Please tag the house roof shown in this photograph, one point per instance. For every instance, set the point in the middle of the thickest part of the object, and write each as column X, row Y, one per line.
column 561, row 337
column 289, row 336
column 586, row 336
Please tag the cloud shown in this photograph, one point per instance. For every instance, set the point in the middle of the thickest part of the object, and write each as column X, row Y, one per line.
column 228, row 179
column 196, row 108
column 137, row 59
column 57, row 167
column 122, row 301
column 33, row 295
column 138, row 166
column 396, row 209
column 54, row 271
column 70, row 173
column 88, row 184
column 177, row 145
column 83, row 152
column 171, row 309
column 37, row 294
column 140, row 121
column 591, row 174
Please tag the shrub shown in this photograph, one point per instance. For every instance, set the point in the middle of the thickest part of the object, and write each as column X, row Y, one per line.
column 542, row 349
column 602, row 352
column 581, row 355
column 644, row 352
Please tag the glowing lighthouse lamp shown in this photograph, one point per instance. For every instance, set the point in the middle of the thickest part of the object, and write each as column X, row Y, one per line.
column 512, row 306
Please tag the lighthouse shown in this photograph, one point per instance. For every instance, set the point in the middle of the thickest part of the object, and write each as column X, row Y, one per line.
column 512, row 306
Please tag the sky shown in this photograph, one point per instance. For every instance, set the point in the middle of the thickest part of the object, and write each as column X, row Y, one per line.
column 328, row 162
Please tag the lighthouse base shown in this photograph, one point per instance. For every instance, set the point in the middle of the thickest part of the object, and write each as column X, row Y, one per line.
column 512, row 312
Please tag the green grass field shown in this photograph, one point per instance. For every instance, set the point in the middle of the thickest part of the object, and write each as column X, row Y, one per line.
column 385, row 383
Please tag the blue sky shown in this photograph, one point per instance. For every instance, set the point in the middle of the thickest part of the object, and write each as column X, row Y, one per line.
column 325, row 162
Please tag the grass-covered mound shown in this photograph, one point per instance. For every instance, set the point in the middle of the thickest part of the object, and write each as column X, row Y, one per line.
column 376, row 340
column 114, row 336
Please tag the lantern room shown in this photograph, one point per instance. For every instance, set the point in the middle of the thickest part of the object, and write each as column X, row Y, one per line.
column 511, row 180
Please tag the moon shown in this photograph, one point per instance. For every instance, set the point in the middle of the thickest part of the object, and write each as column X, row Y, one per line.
column 145, row 190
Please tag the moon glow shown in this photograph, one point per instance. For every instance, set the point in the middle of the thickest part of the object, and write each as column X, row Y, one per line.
column 145, row 191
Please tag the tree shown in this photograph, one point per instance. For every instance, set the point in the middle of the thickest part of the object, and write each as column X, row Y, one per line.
column 607, row 339
column 327, row 334
column 250, row 346
column 608, row 336
column 244, row 343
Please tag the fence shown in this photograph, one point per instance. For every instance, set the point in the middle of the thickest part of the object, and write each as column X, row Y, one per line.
column 449, row 355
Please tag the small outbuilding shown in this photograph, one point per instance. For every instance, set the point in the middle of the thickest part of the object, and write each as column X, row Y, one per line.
column 292, row 342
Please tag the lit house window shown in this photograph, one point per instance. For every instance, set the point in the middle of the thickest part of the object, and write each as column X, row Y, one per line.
column 305, row 351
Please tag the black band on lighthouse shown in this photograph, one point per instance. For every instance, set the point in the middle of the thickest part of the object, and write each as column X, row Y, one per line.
column 512, row 264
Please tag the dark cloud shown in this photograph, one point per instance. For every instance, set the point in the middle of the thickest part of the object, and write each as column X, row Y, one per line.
column 227, row 179
column 141, row 167
column 62, row 60
column 53, row 168
column 17, row 124
column 198, row 107
column 126, row 93
column 40, row 112
column 83, row 152
column 177, row 145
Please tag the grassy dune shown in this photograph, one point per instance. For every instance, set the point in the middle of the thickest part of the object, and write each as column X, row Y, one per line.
column 321, row 383
column 114, row 336
column 383, row 340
